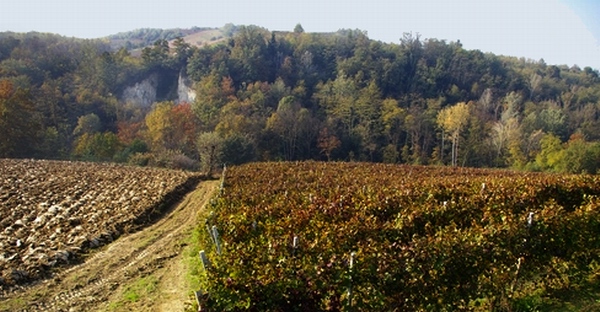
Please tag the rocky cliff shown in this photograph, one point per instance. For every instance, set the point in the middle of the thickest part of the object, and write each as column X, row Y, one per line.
column 185, row 93
column 145, row 92
column 142, row 93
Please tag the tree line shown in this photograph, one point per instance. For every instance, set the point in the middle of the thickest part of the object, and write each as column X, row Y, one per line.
column 264, row 95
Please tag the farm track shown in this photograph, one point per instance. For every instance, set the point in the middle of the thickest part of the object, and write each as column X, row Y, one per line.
column 90, row 286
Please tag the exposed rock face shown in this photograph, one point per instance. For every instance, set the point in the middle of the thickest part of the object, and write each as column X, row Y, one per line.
column 184, row 91
column 142, row 93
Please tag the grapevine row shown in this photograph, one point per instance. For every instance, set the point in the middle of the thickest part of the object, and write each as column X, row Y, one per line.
column 424, row 238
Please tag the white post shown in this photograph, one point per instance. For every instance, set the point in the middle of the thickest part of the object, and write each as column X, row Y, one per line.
column 216, row 237
column 352, row 255
column 210, row 232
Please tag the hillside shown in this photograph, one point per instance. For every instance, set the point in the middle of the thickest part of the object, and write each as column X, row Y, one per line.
column 262, row 95
column 137, row 39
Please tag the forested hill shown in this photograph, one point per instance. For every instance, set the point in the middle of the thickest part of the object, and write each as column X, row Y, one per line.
column 244, row 93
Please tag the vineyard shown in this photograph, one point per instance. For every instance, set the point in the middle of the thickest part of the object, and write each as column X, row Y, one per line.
column 51, row 212
column 316, row 236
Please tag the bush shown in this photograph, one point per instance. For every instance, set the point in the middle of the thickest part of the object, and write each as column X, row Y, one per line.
column 167, row 159
column 181, row 161
column 140, row 159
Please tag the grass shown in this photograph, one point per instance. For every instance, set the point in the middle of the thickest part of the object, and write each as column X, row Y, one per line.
column 141, row 288
column 193, row 265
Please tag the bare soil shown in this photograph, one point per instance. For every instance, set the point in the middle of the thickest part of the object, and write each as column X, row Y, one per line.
column 143, row 271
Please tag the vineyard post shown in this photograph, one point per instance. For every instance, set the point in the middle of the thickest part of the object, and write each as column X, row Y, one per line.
column 223, row 178
column 512, row 286
column 352, row 255
column 205, row 261
column 210, row 233
column 530, row 221
column 295, row 243
column 215, row 234
column 200, row 299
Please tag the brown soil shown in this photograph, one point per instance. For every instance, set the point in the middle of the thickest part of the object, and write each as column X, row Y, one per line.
column 143, row 271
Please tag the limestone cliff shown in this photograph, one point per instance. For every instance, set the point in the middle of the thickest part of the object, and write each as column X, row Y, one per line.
column 142, row 93
column 159, row 88
column 185, row 93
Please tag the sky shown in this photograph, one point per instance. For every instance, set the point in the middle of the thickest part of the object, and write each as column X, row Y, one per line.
column 562, row 32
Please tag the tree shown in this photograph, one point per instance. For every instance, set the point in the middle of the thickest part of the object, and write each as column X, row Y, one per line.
column 20, row 123
column 183, row 51
column 89, row 124
column 184, row 128
column 452, row 120
column 210, row 146
column 213, row 92
column 338, row 98
column 392, row 116
column 328, row 142
column 172, row 127
column 97, row 146
column 370, row 125
column 581, row 156
column 238, row 149
column 298, row 29
column 289, row 122
column 411, row 51
column 157, row 56
column 159, row 123
column 249, row 56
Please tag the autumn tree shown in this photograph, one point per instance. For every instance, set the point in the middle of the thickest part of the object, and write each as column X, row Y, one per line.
column 159, row 123
column 172, row 127
column 419, row 125
column 328, row 143
column 185, row 126
column 246, row 113
column 453, row 120
column 338, row 98
column 213, row 92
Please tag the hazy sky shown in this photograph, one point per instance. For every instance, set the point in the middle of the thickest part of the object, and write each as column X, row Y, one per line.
column 559, row 31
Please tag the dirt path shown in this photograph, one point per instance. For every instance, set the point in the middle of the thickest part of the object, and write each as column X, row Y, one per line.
column 143, row 271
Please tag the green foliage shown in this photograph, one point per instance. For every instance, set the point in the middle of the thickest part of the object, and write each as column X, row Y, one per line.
column 136, row 147
column 20, row 124
column 424, row 238
column 237, row 150
column 89, row 124
column 97, row 146
column 298, row 29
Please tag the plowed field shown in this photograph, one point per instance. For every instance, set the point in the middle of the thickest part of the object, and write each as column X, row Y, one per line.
column 52, row 212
